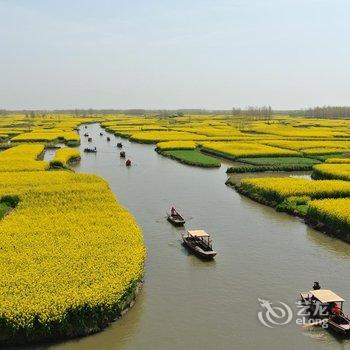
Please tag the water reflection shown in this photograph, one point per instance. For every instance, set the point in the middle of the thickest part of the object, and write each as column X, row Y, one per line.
column 331, row 244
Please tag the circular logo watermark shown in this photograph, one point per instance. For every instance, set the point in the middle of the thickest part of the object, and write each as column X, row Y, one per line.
column 276, row 314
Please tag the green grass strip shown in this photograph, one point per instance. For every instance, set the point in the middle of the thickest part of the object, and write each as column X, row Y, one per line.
column 279, row 161
column 192, row 157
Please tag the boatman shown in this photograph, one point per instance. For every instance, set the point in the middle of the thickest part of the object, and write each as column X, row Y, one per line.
column 316, row 286
column 173, row 211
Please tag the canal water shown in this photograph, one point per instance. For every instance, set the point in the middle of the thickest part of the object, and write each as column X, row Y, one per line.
column 190, row 304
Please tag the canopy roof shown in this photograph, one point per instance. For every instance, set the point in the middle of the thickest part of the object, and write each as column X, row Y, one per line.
column 326, row 296
column 198, row 233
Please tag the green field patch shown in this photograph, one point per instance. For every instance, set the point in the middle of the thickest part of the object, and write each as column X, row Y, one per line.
column 269, row 168
column 324, row 157
column 279, row 161
column 192, row 157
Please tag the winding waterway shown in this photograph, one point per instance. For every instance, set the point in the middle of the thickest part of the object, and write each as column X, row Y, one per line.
column 190, row 304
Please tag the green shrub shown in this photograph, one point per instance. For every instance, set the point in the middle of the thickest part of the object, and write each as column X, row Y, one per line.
column 56, row 164
column 279, row 161
column 73, row 143
column 11, row 201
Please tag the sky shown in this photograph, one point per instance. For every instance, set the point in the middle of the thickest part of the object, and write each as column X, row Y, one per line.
column 167, row 54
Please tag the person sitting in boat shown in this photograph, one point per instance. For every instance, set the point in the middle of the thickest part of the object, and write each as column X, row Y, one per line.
column 316, row 286
column 173, row 211
column 335, row 309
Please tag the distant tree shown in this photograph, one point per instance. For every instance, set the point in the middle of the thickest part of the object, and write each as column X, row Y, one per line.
column 30, row 117
column 329, row 112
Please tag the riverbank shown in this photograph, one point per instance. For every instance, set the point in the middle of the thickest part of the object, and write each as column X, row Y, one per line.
column 297, row 207
column 78, row 322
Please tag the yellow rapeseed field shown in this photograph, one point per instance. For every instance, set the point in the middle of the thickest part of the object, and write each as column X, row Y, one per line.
column 284, row 130
column 311, row 147
column 281, row 188
column 241, row 149
column 47, row 136
column 176, row 145
column 332, row 171
column 22, row 158
column 157, row 136
column 69, row 252
column 333, row 212
column 67, row 247
column 64, row 155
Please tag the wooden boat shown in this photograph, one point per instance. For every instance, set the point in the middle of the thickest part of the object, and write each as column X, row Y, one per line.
column 324, row 304
column 122, row 154
column 128, row 162
column 108, row 138
column 90, row 139
column 119, row 145
column 199, row 242
column 175, row 218
column 90, row 150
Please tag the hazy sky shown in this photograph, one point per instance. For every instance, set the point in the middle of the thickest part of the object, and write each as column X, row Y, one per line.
column 174, row 53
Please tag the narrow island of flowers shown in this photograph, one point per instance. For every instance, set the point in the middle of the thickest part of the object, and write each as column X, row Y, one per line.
column 71, row 257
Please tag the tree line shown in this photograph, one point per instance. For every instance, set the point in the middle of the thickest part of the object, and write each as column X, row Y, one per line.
column 328, row 112
column 253, row 112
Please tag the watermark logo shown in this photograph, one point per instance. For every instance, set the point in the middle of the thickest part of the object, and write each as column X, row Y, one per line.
column 277, row 314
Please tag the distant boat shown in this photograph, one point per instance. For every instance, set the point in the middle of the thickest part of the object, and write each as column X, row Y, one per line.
column 122, row 154
column 108, row 138
column 128, row 162
column 90, row 139
column 175, row 218
column 119, row 145
column 86, row 134
column 90, row 150
column 101, row 134
column 199, row 242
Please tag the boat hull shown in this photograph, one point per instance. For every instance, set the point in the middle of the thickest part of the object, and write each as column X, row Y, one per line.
column 176, row 222
column 194, row 248
column 339, row 330
column 339, row 325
